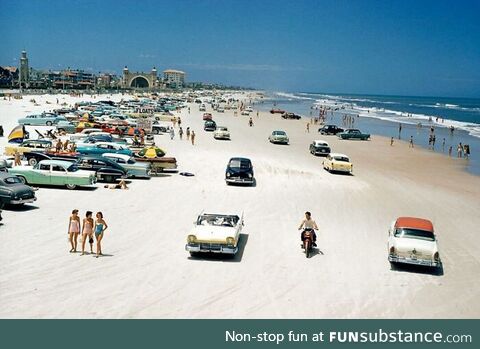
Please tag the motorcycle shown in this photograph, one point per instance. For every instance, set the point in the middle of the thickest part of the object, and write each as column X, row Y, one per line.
column 307, row 236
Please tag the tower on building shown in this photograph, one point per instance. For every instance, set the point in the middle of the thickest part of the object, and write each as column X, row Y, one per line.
column 24, row 71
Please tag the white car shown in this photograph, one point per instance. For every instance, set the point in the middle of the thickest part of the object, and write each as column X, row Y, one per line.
column 217, row 233
column 278, row 137
column 245, row 112
column 220, row 109
column 249, row 109
column 202, row 108
column 413, row 241
column 221, row 133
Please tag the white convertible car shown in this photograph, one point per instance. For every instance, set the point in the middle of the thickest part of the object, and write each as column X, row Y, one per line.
column 218, row 233
column 412, row 241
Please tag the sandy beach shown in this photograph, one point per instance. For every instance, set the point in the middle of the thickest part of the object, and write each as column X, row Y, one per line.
column 146, row 272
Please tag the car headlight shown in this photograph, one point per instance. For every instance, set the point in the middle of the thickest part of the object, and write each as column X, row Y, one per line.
column 191, row 239
column 230, row 241
column 249, row 175
column 228, row 174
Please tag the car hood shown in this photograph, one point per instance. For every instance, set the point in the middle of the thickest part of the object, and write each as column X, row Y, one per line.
column 213, row 233
column 20, row 189
column 422, row 247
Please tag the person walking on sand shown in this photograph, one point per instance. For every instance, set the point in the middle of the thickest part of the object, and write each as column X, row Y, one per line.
column 17, row 159
column 411, row 142
column 179, row 121
column 399, row 130
column 308, row 127
column 87, row 232
column 180, row 133
column 172, row 133
column 188, row 133
column 193, row 137
column 250, row 122
column 391, row 141
column 73, row 230
column 174, row 120
column 100, row 227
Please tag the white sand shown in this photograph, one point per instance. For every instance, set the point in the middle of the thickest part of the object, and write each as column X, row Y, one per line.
column 148, row 274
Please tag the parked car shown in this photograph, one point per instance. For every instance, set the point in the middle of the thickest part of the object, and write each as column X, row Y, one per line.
column 44, row 119
column 158, row 128
column 66, row 126
column 202, row 107
column 277, row 111
column 353, row 133
column 210, row 125
column 105, row 169
column 291, row 116
column 102, row 148
column 207, row 116
column 239, row 171
column 54, row 172
column 330, row 130
column 13, row 191
column 221, row 133
column 217, row 233
column 249, row 109
column 29, row 145
column 319, row 147
column 278, row 137
column 413, row 241
column 245, row 112
column 335, row 162
column 220, row 109
column 133, row 167
column 34, row 157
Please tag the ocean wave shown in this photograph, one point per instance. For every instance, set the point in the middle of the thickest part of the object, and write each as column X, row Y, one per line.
column 292, row 96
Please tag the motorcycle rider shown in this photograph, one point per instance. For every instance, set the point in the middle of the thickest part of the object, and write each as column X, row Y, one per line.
column 308, row 224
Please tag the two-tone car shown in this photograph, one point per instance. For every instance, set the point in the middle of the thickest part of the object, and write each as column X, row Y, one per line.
column 221, row 132
column 293, row 116
column 353, row 133
column 217, row 233
column 319, row 147
column 44, row 119
column 330, row 130
column 54, row 172
column 29, row 145
column 239, row 171
column 278, row 137
column 102, row 148
column 134, row 168
column 336, row 162
column 13, row 191
column 412, row 240
column 105, row 170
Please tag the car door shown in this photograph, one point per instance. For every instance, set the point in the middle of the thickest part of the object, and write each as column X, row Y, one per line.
column 41, row 175
column 59, row 175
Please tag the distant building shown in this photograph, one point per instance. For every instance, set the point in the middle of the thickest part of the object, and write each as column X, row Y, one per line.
column 174, row 78
column 8, row 77
column 24, row 71
column 139, row 79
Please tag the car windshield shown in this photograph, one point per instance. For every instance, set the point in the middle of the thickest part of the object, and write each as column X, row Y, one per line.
column 12, row 180
column 225, row 221
column 240, row 164
column 72, row 168
column 414, row 234
column 279, row 133
column 341, row 158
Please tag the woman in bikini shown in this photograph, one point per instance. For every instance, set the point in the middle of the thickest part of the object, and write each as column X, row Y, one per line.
column 100, row 227
column 87, row 231
column 73, row 230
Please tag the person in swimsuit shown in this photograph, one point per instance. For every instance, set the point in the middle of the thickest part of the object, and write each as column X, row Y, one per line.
column 87, row 232
column 73, row 230
column 100, row 227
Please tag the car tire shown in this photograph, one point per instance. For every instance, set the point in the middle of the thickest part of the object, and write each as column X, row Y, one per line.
column 71, row 186
column 32, row 161
column 48, row 123
column 194, row 254
column 108, row 178
column 23, row 179
column 156, row 131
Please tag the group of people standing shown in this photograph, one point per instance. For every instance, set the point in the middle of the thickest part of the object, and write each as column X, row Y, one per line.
column 190, row 134
column 88, row 228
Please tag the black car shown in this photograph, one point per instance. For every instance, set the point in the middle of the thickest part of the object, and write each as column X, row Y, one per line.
column 105, row 169
column 291, row 116
column 330, row 130
column 319, row 148
column 240, row 171
column 34, row 157
column 210, row 125
column 13, row 191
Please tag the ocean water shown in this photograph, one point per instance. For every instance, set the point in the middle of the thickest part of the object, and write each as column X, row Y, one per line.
column 381, row 115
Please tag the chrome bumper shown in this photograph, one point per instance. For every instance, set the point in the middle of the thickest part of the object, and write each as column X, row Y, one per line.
column 211, row 248
column 23, row 201
column 406, row 260
column 239, row 180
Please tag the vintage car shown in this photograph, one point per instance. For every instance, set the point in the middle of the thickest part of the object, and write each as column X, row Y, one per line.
column 102, row 148
column 54, row 172
column 104, row 169
column 159, row 128
column 353, row 133
column 291, row 116
column 28, row 145
column 34, row 157
column 335, row 162
column 13, row 191
column 133, row 168
column 220, row 109
column 319, row 147
column 202, row 107
column 66, row 126
column 249, row 109
column 278, row 137
column 245, row 112
column 277, row 111
column 207, row 116
column 217, row 233
column 210, row 125
column 413, row 241
column 221, row 133
column 330, row 130
column 43, row 119
column 239, row 171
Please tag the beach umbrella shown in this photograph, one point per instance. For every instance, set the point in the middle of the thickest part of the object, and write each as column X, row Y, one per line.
column 18, row 134
column 151, row 152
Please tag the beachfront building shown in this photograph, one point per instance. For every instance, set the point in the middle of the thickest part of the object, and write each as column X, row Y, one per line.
column 174, row 78
column 24, row 71
column 142, row 80
column 8, row 77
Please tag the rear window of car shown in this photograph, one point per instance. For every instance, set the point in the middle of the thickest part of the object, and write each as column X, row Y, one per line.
column 414, row 234
column 341, row 158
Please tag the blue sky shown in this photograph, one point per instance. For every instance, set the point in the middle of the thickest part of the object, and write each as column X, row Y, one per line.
column 379, row 47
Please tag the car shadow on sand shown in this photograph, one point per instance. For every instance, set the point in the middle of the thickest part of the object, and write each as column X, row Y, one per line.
column 418, row 269
column 20, row 208
column 242, row 242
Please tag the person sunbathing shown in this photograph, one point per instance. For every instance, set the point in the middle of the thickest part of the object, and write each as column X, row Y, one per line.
column 120, row 185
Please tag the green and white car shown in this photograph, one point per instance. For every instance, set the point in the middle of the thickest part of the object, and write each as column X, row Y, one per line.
column 278, row 137
column 54, row 172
